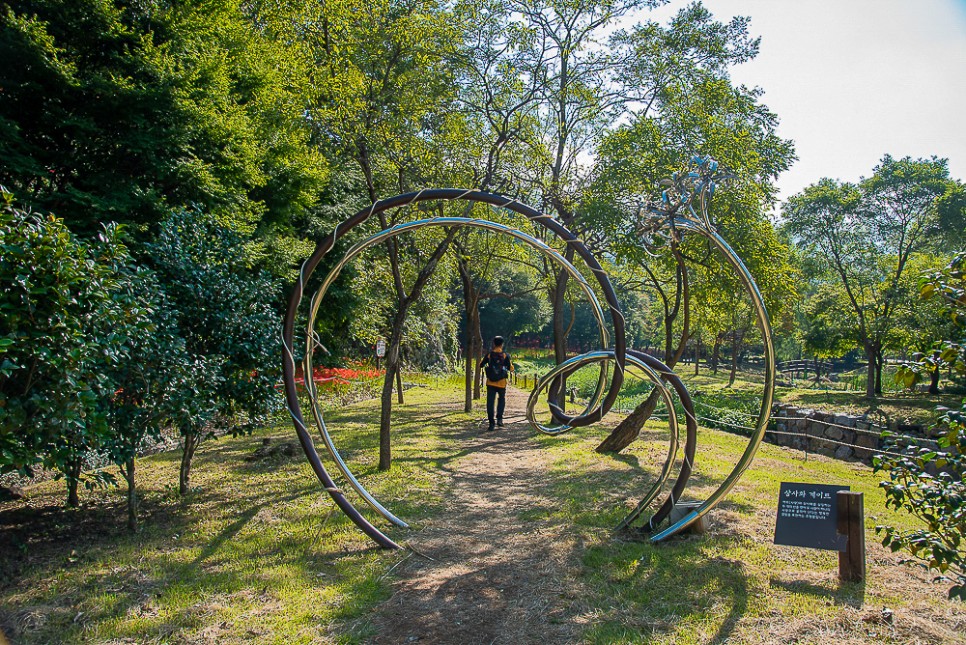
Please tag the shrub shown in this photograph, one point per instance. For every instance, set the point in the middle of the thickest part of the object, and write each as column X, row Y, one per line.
column 937, row 500
column 157, row 386
column 66, row 324
column 223, row 312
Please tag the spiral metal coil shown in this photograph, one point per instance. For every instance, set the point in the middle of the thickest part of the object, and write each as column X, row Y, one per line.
column 676, row 214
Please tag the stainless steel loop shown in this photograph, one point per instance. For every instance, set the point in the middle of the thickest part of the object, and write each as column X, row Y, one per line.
column 326, row 244
column 604, row 357
column 604, row 395
column 764, row 326
column 395, row 231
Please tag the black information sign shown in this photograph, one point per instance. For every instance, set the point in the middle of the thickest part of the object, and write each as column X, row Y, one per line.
column 807, row 516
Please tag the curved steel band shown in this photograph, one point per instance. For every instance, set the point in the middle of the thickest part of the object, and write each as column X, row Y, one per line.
column 397, row 230
column 690, row 442
column 764, row 326
column 327, row 243
column 654, row 370
column 647, row 369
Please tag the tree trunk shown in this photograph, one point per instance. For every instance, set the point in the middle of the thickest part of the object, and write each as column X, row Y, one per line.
column 400, row 398
column 468, row 358
column 468, row 363
column 478, row 356
column 627, row 430
column 392, row 351
column 470, row 300
column 878, row 372
column 73, row 500
column 73, row 479
column 934, row 375
column 870, row 374
column 558, row 389
column 385, row 445
column 191, row 441
column 697, row 354
column 392, row 376
column 716, row 354
column 132, row 495
column 735, row 348
column 669, row 336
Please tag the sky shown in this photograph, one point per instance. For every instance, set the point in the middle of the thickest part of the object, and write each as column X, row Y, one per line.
column 852, row 80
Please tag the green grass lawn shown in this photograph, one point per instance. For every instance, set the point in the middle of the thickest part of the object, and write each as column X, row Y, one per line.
column 260, row 554
column 734, row 585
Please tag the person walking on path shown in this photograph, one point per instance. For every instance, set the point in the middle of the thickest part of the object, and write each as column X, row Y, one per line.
column 498, row 366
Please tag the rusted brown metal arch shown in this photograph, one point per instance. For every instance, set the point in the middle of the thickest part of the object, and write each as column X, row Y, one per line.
column 449, row 194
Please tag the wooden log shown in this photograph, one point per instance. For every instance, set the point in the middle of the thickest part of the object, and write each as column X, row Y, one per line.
column 851, row 523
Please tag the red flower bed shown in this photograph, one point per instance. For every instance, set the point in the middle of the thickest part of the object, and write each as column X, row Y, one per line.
column 340, row 375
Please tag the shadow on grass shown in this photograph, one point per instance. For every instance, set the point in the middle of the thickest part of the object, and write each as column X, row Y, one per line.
column 499, row 602
column 849, row 594
column 613, row 484
column 263, row 530
column 680, row 579
column 664, row 591
column 256, row 534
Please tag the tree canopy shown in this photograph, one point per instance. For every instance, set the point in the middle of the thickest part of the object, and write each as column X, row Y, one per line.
column 865, row 236
column 168, row 165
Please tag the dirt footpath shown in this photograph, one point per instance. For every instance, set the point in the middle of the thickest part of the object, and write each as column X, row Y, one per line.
column 494, row 577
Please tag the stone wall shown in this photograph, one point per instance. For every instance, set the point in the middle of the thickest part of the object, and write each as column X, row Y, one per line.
column 841, row 436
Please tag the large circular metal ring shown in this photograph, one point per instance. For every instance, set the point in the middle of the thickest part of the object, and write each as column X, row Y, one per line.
column 326, row 244
column 600, row 403
column 395, row 231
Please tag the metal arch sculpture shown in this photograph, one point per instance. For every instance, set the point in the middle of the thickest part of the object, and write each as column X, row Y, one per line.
column 683, row 209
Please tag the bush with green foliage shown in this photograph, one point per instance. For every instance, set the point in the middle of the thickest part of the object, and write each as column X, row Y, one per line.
column 67, row 319
column 223, row 311
column 98, row 355
column 159, row 385
column 939, row 500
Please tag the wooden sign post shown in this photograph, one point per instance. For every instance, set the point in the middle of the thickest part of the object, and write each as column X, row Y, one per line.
column 851, row 524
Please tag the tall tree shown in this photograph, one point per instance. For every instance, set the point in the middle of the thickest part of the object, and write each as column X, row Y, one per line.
column 500, row 77
column 867, row 233
column 117, row 111
column 685, row 103
column 580, row 98
column 386, row 90
column 825, row 332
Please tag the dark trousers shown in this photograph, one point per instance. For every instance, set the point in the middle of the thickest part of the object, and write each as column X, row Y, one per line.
column 491, row 394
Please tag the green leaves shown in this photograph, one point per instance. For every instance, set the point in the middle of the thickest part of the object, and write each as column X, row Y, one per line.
column 221, row 313
column 936, row 499
column 98, row 354
column 116, row 113
column 866, row 239
column 65, row 328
